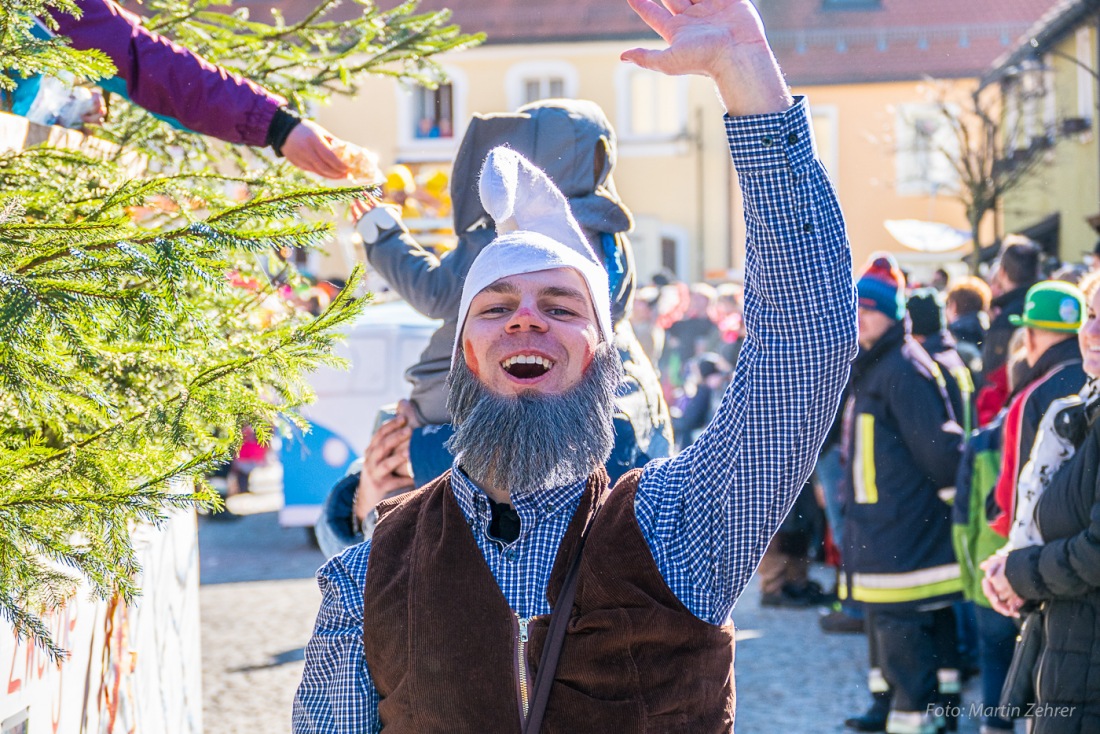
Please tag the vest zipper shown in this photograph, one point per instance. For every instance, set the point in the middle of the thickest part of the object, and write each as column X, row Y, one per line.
column 523, row 691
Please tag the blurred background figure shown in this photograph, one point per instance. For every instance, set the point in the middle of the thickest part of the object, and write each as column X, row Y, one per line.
column 900, row 450
column 400, row 189
column 784, row 571
column 1014, row 272
column 250, row 457
column 966, row 308
column 940, row 280
column 1092, row 259
column 691, row 334
column 645, row 318
column 729, row 318
column 707, row 377
column 928, row 327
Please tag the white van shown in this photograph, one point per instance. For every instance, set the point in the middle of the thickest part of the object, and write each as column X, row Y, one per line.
column 381, row 345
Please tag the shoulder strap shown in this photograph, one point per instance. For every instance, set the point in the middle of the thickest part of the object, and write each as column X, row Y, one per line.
column 555, row 635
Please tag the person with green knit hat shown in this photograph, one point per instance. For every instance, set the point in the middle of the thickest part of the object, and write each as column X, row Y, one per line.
column 1053, row 313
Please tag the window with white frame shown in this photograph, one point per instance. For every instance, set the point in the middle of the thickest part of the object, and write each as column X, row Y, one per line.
column 1030, row 94
column 652, row 107
column 431, row 121
column 1012, row 126
column 433, row 112
column 1050, row 101
column 542, row 87
column 1086, row 105
column 534, row 80
column 926, row 146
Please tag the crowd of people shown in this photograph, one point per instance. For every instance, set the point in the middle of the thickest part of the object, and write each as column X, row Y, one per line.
column 969, row 397
column 958, row 486
column 956, row 490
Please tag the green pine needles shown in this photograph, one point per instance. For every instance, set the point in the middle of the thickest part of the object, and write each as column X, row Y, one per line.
column 144, row 317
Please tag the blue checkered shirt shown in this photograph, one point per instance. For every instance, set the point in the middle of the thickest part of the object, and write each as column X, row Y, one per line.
column 708, row 513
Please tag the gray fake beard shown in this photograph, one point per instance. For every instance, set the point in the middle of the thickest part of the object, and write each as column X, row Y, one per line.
column 532, row 441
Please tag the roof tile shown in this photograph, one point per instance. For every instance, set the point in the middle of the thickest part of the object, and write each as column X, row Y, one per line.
column 895, row 40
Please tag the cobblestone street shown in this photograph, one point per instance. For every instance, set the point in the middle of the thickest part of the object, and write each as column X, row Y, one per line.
column 259, row 600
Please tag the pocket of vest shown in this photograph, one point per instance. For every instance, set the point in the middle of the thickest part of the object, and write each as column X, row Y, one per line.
column 596, row 661
column 571, row 710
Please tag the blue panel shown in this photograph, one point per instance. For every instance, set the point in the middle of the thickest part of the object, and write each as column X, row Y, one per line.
column 312, row 463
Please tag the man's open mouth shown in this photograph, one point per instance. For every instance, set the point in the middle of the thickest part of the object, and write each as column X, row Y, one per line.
column 526, row 366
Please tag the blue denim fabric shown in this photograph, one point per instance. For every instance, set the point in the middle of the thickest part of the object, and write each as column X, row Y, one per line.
column 830, row 473
column 996, row 643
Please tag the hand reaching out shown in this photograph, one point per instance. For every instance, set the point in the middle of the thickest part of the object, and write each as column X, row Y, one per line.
column 406, row 410
column 359, row 207
column 308, row 146
column 97, row 109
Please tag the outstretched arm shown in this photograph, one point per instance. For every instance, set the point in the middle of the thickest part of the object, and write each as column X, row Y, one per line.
column 173, row 82
column 709, row 513
column 432, row 285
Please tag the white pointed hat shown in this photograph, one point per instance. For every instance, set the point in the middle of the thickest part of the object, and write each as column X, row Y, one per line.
column 535, row 231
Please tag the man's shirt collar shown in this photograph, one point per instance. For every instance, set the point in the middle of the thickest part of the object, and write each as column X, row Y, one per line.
column 532, row 507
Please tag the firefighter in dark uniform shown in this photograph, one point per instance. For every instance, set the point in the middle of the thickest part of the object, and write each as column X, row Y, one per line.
column 901, row 446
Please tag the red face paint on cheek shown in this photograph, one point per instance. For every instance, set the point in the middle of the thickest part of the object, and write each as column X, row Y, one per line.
column 589, row 355
column 471, row 359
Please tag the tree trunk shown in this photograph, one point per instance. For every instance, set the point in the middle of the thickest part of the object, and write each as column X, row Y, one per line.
column 975, row 257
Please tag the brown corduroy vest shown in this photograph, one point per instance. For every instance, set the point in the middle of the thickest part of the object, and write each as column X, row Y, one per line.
column 441, row 641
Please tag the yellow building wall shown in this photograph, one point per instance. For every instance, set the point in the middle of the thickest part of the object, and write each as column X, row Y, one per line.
column 1068, row 180
column 684, row 188
column 857, row 140
column 680, row 186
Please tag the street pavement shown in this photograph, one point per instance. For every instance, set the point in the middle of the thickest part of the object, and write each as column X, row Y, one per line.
column 259, row 599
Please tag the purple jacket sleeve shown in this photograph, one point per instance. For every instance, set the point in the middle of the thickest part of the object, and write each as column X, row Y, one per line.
column 169, row 80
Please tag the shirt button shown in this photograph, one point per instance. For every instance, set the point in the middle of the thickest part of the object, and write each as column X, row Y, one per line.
column 549, row 506
column 807, row 227
column 792, row 138
column 509, row 555
column 767, row 141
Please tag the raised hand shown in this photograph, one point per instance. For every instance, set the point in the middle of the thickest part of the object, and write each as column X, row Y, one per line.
column 722, row 39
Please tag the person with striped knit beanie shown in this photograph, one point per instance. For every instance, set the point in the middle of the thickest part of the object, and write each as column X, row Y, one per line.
column 900, row 450
column 881, row 289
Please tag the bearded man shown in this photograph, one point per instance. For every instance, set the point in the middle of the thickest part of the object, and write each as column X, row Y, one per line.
column 439, row 621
